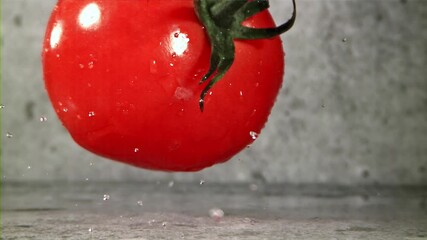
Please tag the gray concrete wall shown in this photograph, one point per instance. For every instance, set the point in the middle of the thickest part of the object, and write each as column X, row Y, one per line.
column 353, row 109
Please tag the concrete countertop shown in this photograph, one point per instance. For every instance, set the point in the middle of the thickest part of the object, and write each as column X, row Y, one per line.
column 172, row 210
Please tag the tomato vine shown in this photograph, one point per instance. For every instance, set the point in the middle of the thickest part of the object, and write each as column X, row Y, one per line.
column 223, row 23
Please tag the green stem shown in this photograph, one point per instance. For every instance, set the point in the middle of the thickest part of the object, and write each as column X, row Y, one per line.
column 223, row 20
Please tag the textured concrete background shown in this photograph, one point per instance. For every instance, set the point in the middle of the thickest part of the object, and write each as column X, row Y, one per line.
column 353, row 109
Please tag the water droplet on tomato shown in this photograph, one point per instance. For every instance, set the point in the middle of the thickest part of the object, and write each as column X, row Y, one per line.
column 171, row 183
column 90, row 65
column 182, row 93
column 65, row 109
column 136, row 150
column 9, row 135
column 176, row 35
column 57, row 55
column 153, row 66
column 216, row 213
column 81, row 66
column 253, row 134
column 171, row 64
column 106, row 197
column 91, row 114
column 174, row 55
column 241, row 93
column 140, row 203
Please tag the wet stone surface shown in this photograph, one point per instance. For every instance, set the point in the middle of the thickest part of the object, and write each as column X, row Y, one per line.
column 185, row 211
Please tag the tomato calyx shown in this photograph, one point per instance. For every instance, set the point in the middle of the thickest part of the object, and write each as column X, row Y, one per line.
column 223, row 20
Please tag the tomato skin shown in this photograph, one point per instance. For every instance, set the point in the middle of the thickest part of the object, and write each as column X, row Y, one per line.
column 123, row 77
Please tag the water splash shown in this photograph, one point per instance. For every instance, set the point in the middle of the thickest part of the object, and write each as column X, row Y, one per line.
column 253, row 134
column 216, row 213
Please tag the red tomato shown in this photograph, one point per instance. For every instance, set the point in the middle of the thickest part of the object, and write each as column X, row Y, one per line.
column 123, row 77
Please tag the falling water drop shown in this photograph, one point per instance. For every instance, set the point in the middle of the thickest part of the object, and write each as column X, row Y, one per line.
column 140, row 203
column 171, row 183
column 202, row 182
column 344, row 40
column 9, row 135
column 106, row 197
column 164, row 224
column 2, row 106
column 43, row 119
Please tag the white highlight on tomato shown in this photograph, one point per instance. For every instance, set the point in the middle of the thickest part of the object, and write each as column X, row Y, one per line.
column 179, row 43
column 55, row 35
column 90, row 16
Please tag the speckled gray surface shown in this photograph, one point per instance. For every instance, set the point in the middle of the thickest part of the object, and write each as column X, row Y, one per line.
column 161, row 211
column 353, row 109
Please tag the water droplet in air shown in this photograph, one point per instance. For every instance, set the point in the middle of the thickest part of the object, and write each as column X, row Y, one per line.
column 2, row 106
column 9, row 135
column 91, row 114
column 140, row 203
column 106, row 197
column 164, row 224
column 90, row 229
column 151, row 222
column 86, row 179
column 28, row 167
column 253, row 134
column 202, row 182
column 253, row 187
column 344, row 39
column 171, row 183
column 43, row 119
column 216, row 213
